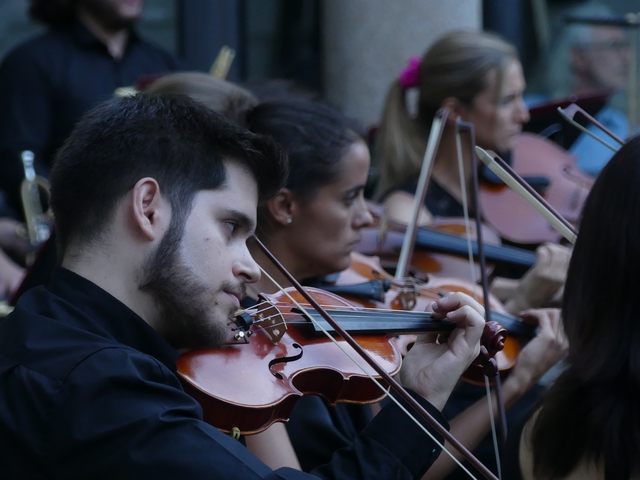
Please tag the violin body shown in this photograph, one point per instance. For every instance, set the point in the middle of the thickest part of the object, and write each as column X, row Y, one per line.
column 441, row 248
column 250, row 385
column 280, row 356
column 364, row 268
column 513, row 218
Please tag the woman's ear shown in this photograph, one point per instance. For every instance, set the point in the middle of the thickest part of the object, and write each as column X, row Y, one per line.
column 456, row 109
column 282, row 207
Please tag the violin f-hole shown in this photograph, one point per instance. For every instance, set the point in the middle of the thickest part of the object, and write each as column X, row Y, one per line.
column 285, row 359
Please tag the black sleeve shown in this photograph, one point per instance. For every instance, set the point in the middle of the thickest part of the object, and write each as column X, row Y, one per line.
column 25, row 116
column 333, row 428
column 391, row 446
column 140, row 424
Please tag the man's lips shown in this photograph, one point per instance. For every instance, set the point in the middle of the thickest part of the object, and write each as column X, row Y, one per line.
column 235, row 296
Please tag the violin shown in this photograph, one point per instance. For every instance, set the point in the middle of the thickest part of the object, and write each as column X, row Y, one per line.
column 566, row 191
column 367, row 284
column 279, row 355
column 442, row 249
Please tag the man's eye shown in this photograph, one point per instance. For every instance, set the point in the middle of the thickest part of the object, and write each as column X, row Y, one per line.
column 232, row 226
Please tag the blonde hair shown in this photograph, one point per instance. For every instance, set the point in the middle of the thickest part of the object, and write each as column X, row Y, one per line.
column 456, row 65
column 225, row 98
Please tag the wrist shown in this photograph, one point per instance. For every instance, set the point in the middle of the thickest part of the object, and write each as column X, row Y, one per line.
column 515, row 386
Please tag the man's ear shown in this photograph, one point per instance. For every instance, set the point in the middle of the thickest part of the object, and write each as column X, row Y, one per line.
column 456, row 109
column 149, row 212
column 282, row 207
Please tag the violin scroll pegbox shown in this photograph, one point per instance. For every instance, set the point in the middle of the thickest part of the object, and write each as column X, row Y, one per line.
column 267, row 318
column 492, row 342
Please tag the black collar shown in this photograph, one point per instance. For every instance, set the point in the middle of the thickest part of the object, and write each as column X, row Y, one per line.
column 83, row 36
column 114, row 318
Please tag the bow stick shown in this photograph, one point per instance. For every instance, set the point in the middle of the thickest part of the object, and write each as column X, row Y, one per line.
column 408, row 243
column 533, row 198
column 470, row 129
column 570, row 112
column 374, row 365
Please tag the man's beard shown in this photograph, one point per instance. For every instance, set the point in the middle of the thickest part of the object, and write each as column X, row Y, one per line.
column 108, row 16
column 185, row 304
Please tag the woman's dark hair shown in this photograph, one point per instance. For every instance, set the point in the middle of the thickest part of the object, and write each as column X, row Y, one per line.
column 592, row 412
column 314, row 135
column 171, row 138
column 53, row 13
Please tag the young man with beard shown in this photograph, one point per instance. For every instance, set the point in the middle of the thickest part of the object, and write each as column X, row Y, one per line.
column 155, row 199
column 46, row 84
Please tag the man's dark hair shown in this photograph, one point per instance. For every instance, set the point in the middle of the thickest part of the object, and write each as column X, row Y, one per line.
column 53, row 13
column 170, row 138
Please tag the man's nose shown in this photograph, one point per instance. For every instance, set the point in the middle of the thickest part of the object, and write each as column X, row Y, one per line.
column 246, row 268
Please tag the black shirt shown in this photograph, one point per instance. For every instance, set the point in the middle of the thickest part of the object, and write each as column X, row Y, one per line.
column 48, row 82
column 90, row 391
column 438, row 201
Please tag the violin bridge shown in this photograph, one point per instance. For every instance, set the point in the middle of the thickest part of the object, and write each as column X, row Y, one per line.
column 406, row 299
column 270, row 321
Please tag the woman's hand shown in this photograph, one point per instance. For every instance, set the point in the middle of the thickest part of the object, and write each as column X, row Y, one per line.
column 11, row 276
column 545, row 350
column 9, row 238
column 539, row 285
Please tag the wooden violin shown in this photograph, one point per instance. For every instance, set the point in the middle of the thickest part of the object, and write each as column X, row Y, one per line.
column 566, row 190
column 442, row 249
column 367, row 284
column 280, row 355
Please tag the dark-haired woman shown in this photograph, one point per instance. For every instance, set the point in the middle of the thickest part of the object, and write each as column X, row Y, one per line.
column 312, row 226
column 588, row 426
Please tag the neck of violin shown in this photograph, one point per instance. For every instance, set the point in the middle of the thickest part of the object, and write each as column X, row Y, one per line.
column 382, row 321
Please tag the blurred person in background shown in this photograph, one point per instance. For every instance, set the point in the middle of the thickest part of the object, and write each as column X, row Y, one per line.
column 89, row 50
column 586, row 59
column 11, row 274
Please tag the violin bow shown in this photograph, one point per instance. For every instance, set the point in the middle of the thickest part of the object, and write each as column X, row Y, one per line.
column 498, row 166
column 408, row 243
column 379, row 370
column 570, row 112
column 470, row 129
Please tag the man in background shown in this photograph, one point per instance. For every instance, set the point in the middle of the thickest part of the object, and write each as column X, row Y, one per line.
column 586, row 59
column 48, row 82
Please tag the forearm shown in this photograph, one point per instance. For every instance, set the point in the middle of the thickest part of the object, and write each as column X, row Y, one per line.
column 472, row 425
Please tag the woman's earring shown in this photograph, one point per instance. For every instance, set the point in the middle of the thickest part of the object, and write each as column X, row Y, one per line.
column 289, row 221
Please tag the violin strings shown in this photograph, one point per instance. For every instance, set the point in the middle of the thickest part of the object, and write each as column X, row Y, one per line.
column 346, row 307
column 373, row 379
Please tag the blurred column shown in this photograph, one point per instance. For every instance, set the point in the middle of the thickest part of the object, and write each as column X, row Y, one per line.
column 366, row 43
